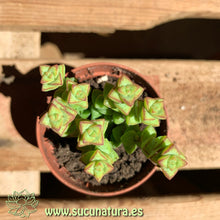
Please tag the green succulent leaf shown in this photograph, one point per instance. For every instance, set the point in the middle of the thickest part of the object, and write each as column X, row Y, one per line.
column 84, row 114
column 44, row 69
column 105, row 125
column 161, row 151
column 170, row 163
column 130, row 140
column 87, row 155
column 93, row 155
column 134, row 116
column 95, row 94
column 73, row 130
column 78, row 96
column 127, row 94
column 99, row 105
column 106, row 111
column 117, row 132
column 108, row 102
column 95, row 113
column 170, row 149
column 150, row 144
column 70, row 81
column 52, row 77
column 153, row 146
column 107, row 149
column 98, row 169
column 114, row 96
column 63, row 91
column 168, row 173
column 123, row 108
column 128, row 91
column 92, row 136
column 118, row 118
column 155, row 107
column 153, row 111
column 107, row 88
column 123, row 96
column 60, row 92
column 148, row 119
column 45, row 120
column 147, row 134
column 58, row 117
column 91, row 132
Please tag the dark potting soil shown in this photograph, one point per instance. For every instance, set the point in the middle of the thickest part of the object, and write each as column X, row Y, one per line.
column 124, row 168
column 69, row 157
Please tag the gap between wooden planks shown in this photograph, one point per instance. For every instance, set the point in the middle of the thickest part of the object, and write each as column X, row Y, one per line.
column 191, row 92
column 99, row 16
column 192, row 207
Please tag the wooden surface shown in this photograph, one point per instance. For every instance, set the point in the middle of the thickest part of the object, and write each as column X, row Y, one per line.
column 197, row 207
column 190, row 88
column 19, row 180
column 19, row 45
column 191, row 92
column 102, row 16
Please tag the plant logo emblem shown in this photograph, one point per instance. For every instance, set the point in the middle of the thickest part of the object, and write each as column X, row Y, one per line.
column 22, row 203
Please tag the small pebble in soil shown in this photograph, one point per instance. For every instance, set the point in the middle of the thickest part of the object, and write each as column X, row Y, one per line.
column 183, row 107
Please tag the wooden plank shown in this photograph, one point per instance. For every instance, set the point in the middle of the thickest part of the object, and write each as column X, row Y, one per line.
column 99, row 16
column 19, row 45
column 191, row 92
column 11, row 181
column 200, row 207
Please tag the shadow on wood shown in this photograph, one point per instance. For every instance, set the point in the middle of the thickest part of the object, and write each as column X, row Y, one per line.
column 27, row 100
column 179, row 39
column 192, row 182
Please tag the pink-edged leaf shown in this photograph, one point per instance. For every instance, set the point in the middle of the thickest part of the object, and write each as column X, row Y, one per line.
column 114, row 96
column 123, row 108
column 130, row 93
column 45, row 120
column 155, row 106
column 98, row 169
column 169, row 174
column 124, row 81
column 44, row 69
column 91, row 132
column 148, row 119
column 52, row 76
column 84, row 125
column 59, row 116
column 78, row 95
column 98, row 155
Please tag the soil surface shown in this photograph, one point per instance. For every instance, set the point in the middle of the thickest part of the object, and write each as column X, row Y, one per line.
column 124, row 168
column 69, row 157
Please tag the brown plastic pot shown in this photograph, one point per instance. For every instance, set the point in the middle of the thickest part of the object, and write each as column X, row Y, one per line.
column 86, row 72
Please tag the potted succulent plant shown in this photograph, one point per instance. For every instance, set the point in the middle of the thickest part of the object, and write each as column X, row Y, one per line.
column 100, row 108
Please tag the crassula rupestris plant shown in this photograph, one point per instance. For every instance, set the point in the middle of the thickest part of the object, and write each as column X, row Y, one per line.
column 102, row 120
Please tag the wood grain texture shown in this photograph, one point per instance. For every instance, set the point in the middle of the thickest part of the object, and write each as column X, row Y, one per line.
column 20, row 45
column 191, row 92
column 19, row 180
column 102, row 16
column 195, row 207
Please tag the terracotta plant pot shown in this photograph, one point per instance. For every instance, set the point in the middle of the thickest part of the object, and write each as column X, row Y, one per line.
column 46, row 148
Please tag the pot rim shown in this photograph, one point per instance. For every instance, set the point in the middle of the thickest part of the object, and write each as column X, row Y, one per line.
column 56, row 171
